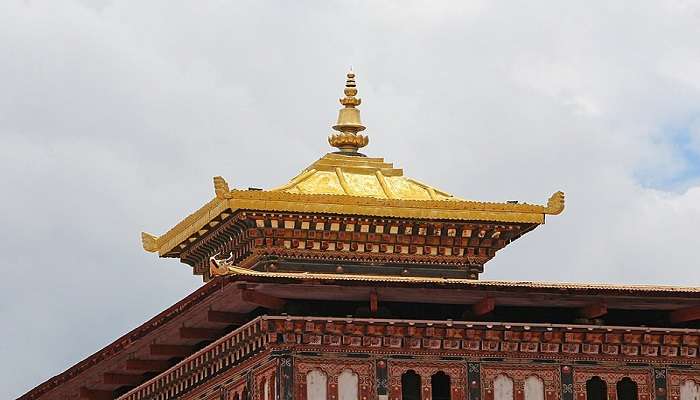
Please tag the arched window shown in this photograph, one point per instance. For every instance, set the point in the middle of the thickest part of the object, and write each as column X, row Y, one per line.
column 534, row 388
column 690, row 390
column 244, row 395
column 596, row 389
column 316, row 385
column 236, row 397
column 440, row 385
column 502, row 388
column 348, row 384
column 410, row 386
column 626, row 389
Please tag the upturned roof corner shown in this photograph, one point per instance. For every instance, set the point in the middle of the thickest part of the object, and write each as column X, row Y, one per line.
column 149, row 242
column 221, row 188
column 555, row 204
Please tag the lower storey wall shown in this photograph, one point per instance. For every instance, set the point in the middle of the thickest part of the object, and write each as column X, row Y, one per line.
column 288, row 375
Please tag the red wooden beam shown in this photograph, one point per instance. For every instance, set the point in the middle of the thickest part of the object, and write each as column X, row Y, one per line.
column 92, row 394
column 110, row 378
column 173, row 350
column 685, row 315
column 147, row 365
column 225, row 317
column 200, row 333
column 263, row 300
column 594, row 310
column 373, row 301
column 483, row 307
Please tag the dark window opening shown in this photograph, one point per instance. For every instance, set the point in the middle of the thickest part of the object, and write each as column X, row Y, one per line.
column 410, row 386
column 626, row 389
column 440, row 384
column 596, row 389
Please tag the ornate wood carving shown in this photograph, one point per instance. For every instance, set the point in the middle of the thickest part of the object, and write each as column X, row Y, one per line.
column 332, row 368
column 286, row 378
column 518, row 341
column 246, row 237
column 660, row 383
column 676, row 378
column 426, row 369
column 265, row 375
column 474, row 380
column 567, row 383
column 642, row 377
column 549, row 375
column 242, row 348
column 382, row 377
column 236, row 391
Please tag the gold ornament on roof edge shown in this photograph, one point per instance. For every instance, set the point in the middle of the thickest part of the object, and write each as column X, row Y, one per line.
column 349, row 123
column 555, row 204
column 221, row 188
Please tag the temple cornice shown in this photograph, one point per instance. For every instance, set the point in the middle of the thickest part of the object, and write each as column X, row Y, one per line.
column 279, row 201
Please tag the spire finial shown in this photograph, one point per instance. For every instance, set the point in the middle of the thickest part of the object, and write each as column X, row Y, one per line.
column 348, row 140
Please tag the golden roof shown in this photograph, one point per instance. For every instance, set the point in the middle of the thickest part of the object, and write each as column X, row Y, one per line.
column 360, row 176
column 351, row 184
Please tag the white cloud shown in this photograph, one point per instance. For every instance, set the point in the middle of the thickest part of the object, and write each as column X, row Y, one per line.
column 114, row 116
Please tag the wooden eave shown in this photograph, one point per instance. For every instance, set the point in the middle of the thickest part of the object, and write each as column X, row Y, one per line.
column 105, row 369
column 227, row 202
column 458, row 290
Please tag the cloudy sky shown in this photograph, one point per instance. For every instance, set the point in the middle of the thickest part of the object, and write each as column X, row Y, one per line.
column 114, row 116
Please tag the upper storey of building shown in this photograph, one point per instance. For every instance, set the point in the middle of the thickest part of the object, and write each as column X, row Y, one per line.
column 351, row 214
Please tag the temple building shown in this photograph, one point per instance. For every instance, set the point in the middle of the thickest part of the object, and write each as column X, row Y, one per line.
column 354, row 281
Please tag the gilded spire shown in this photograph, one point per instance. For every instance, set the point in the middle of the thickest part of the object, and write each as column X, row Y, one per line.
column 348, row 140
